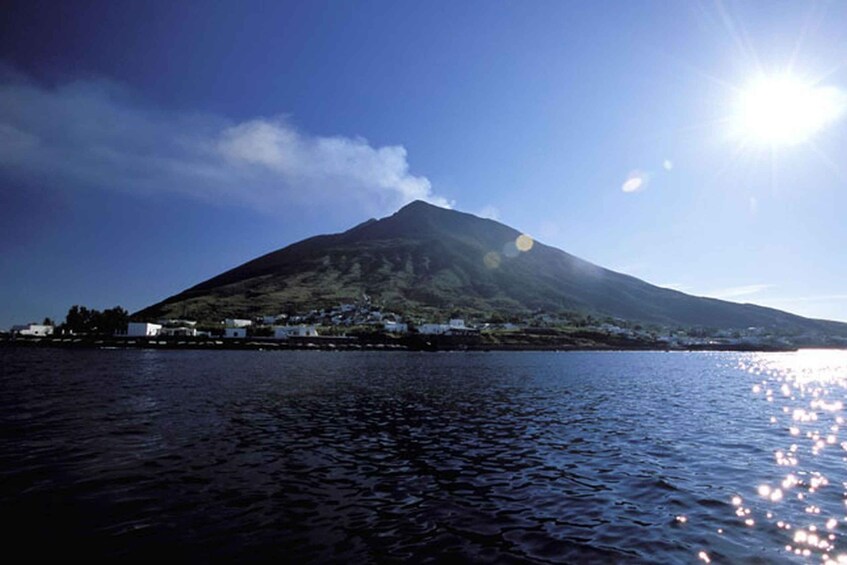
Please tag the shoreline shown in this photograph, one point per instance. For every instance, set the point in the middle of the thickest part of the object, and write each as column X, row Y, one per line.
column 378, row 343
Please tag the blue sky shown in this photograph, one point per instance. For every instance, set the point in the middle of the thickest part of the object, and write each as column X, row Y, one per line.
column 145, row 147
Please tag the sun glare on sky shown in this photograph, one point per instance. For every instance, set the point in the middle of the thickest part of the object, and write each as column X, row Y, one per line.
column 783, row 110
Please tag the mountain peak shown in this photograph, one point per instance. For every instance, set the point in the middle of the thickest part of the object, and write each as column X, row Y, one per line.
column 418, row 207
column 429, row 261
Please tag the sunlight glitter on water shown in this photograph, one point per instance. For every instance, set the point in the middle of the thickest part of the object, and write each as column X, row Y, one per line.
column 315, row 457
column 807, row 389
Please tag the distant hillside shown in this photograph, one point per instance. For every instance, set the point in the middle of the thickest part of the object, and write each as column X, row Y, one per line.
column 430, row 261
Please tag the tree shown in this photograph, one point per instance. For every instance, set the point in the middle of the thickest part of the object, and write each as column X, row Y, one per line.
column 78, row 319
column 112, row 320
column 82, row 320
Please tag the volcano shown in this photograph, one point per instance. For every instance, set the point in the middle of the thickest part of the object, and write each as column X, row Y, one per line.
column 427, row 261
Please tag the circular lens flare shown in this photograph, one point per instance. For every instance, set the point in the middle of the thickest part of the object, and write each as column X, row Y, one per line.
column 635, row 182
column 510, row 250
column 492, row 260
column 524, row 242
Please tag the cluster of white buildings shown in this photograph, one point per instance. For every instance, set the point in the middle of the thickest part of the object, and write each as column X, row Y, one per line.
column 350, row 315
column 364, row 314
column 283, row 327
column 455, row 326
column 395, row 327
column 234, row 328
column 237, row 328
column 34, row 330
column 171, row 328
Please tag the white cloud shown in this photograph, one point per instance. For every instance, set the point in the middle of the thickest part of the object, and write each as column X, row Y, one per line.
column 489, row 212
column 739, row 291
column 309, row 160
column 632, row 269
column 815, row 298
column 95, row 134
column 823, row 306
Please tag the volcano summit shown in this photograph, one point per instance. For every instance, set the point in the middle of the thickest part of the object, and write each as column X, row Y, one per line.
column 427, row 261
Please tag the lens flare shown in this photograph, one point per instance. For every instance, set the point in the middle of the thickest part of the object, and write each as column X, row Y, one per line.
column 510, row 250
column 635, row 182
column 492, row 260
column 524, row 242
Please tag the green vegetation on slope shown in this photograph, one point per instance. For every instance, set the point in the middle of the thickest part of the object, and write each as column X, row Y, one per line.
column 427, row 262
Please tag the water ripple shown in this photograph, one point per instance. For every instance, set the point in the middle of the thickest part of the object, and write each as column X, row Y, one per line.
column 372, row 457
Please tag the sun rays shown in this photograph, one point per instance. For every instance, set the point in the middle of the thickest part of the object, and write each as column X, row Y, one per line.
column 782, row 110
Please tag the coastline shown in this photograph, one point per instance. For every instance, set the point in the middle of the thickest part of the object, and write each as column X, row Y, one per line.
column 594, row 342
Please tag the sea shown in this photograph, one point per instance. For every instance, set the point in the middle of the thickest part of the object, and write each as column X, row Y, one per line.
column 383, row 457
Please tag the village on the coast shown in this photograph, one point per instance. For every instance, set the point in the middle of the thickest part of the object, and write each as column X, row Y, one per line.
column 358, row 319
column 282, row 326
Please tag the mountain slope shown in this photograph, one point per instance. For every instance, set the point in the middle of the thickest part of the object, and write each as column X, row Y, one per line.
column 431, row 260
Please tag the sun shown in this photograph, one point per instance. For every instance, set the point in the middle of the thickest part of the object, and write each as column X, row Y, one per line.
column 784, row 110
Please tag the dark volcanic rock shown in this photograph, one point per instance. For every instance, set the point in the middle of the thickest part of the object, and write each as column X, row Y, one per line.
column 430, row 261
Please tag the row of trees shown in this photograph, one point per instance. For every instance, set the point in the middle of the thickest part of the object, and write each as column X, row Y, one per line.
column 90, row 321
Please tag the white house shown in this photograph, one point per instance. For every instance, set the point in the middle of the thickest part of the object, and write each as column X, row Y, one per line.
column 455, row 327
column 395, row 327
column 33, row 330
column 183, row 331
column 284, row 332
column 614, row 330
column 235, row 332
column 237, row 323
column 433, row 329
column 142, row 329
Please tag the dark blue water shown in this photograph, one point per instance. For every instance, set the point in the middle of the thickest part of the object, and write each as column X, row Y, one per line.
column 374, row 457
